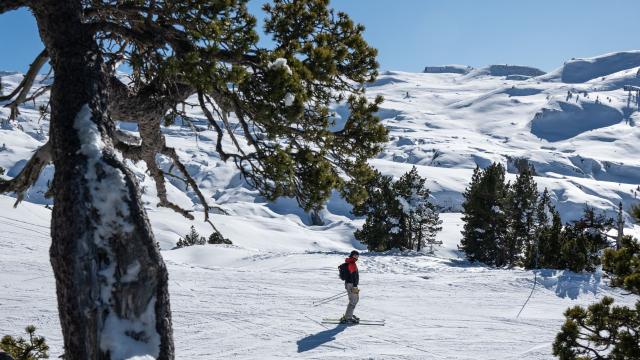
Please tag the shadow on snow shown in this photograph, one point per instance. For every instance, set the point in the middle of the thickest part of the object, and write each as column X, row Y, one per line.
column 313, row 341
column 569, row 284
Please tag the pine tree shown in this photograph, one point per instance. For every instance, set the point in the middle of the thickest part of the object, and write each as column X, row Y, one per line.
column 430, row 225
column 419, row 219
column 521, row 216
column 33, row 348
column 635, row 211
column 399, row 214
column 623, row 265
column 192, row 238
column 584, row 239
column 483, row 236
column 600, row 332
column 474, row 224
column 382, row 228
column 575, row 252
column 543, row 248
column 550, row 244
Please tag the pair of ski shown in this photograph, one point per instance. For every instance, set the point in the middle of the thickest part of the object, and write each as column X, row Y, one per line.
column 362, row 322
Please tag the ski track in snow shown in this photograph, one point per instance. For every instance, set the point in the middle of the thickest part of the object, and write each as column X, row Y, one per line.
column 254, row 299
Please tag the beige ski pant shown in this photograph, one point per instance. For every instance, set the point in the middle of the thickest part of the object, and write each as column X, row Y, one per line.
column 353, row 300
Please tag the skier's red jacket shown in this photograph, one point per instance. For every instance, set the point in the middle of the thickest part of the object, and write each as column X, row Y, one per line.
column 354, row 277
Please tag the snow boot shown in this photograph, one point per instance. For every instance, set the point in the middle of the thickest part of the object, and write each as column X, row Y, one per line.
column 352, row 320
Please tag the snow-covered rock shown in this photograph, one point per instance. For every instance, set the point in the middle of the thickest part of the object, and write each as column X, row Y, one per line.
column 444, row 69
column 582, row 70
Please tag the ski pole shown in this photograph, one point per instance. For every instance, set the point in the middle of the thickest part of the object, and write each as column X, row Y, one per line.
column 329, row 300
column 324, row 301
column 330, row 297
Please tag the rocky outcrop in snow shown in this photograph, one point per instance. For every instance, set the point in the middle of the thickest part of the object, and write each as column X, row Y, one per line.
column 448, row 69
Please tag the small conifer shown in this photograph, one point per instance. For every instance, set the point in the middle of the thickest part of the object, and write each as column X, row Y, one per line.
column 602, row 331
column 192, row 238
column 33, row 348
column 217, row 238
column 623, row 265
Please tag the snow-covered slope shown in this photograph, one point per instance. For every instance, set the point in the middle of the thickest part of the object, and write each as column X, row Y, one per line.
column 581, row 137
column 254, row 299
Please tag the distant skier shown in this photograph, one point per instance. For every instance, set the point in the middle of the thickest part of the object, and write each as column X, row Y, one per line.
column 351, row 284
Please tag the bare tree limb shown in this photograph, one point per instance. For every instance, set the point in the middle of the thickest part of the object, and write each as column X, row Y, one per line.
column 25, row 85
column 37, row 93
column 225, row 120
column 135, row 153
column 169, row 174
column 158, row 177
column 29, row 174
column 173, row 155
column 224, row 156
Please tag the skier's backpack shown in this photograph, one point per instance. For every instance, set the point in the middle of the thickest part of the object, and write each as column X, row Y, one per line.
column 344, row 271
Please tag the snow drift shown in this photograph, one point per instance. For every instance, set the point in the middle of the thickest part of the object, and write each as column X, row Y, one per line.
column 569, row 120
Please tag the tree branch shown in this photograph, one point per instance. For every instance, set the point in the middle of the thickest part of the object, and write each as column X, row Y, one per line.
column 25, row 85
column 150, row 100
column 129, row 151
column 151, row 33
column 213, row 123
column 29, row 174
column 171, row 153
column 145, row 38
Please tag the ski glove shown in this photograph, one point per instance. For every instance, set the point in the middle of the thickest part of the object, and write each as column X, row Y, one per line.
column 355, row 290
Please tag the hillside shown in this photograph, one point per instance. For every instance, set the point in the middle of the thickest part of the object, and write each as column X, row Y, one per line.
column 575, row 125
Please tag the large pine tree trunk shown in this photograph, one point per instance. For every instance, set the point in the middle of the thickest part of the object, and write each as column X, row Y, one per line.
column 111, row 281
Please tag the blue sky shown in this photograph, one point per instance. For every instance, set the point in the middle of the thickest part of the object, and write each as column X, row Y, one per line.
column 411, row 34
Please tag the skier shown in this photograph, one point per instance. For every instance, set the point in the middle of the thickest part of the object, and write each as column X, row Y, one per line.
column 351, row 285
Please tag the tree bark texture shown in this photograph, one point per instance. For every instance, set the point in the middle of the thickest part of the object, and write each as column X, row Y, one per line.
column 111, row 282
